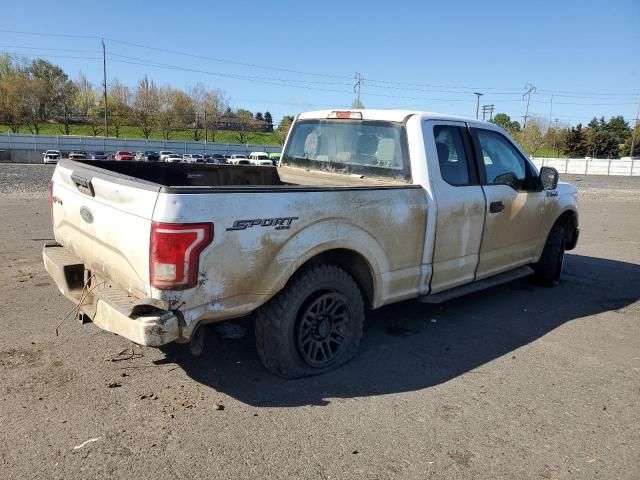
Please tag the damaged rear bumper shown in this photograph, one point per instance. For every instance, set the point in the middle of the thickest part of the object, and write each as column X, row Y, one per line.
column 109, row 307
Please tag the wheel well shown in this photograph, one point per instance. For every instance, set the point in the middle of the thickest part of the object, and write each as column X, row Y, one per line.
column 569, row 221
column 354, row 264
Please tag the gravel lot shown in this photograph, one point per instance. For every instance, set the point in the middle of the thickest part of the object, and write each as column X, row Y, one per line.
column 514, row 382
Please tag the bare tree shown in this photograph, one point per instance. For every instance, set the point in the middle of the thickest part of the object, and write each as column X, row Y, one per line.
column 244, row 125
column 66, row 105
column 35, row 100
column 165, row 118
column 119, row 98
column 146, row 105
column 532, row 136
column 183, row 110
column 283, row 128
column 215, row 103
column 85, row 97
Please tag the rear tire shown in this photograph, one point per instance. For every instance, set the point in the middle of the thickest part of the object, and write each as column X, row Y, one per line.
column 549, row 268
column 313, row 326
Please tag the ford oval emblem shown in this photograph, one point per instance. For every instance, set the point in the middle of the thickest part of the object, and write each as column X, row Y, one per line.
column 86, row 214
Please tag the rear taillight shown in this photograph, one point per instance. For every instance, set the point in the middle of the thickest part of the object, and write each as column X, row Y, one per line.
column 51, row 200
column 175, row 253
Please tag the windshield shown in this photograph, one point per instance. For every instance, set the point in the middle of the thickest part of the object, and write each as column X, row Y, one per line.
column 372, row 148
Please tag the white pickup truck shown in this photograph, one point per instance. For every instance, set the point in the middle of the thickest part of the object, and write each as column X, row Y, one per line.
column 366, row 208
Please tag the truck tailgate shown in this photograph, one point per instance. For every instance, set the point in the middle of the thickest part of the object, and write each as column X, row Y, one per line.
column 105, row 221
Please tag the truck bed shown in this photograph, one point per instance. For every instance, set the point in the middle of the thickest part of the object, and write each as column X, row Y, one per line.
column 185, row 177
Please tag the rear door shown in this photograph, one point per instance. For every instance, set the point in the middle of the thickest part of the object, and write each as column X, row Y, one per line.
column 514, row 204
column 105, row 220
column 460, row 204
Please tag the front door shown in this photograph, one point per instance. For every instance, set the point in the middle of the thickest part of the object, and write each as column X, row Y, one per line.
column 514, row 204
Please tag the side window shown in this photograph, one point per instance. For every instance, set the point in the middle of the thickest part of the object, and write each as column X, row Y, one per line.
column 452, row 157
column 503, row 164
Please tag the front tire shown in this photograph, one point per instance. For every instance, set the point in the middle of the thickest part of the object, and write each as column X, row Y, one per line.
column 313, row 326
column 549, row 268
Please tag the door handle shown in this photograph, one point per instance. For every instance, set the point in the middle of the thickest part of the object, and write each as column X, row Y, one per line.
column 496, row 207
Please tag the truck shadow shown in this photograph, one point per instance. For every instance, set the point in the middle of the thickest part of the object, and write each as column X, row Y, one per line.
column 410, row 346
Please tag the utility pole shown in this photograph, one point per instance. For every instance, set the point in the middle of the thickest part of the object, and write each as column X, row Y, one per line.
column 356, row 88
column 478, row 95
column 530, row 89
column 104, row 89
column 487, row 109
column 206, row 132
column 555, row 132
column 633, row 138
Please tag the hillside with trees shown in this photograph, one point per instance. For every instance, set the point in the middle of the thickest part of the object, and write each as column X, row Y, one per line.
column 38, row 97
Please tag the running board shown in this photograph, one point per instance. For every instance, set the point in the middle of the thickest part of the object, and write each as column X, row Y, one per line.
column 477, row 286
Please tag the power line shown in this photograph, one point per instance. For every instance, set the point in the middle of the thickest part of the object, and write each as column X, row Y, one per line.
column 470, row 89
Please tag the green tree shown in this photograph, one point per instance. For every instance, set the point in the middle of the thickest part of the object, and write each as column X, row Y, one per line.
column 503, row 120
column 602, row 144
column 268, row 120
column 619, row 128
column 13, row 92
column 575, row 144
column 626, row 148
column 597, row 125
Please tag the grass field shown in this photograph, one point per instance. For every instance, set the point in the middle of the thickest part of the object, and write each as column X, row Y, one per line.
column 547, row 152
column 222, row 136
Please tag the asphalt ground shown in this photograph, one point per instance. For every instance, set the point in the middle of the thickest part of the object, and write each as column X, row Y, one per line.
column 517, row 381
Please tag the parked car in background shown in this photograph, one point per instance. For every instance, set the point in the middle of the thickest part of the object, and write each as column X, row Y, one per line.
column 151, row 156
column 99, row 156
column 173, row 158
column 51, row 156
column 237, row 159
column 215, row 158
column 260, row 158
column 164, row 154
column 275, row 157
column 193, row 158
column 77, row 155
column 139, row 156
column 123, row 155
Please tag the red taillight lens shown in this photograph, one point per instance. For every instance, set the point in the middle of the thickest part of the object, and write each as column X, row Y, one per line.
column 175, row 253
column 51, row 200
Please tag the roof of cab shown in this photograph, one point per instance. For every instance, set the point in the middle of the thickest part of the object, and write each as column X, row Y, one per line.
column 388, row 115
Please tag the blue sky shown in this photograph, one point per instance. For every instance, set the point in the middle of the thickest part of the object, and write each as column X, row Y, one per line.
column 292, row 56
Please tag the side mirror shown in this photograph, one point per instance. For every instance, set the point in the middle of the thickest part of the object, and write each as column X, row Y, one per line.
column 549, row 178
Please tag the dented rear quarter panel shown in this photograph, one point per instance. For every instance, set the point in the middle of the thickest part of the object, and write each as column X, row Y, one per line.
column 241, row 269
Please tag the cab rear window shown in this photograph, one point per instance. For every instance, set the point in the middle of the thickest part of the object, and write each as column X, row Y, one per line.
column 371, row 148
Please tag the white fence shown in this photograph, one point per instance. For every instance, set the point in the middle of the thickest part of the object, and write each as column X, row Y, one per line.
column 592, row 166
column 65, row 143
